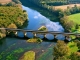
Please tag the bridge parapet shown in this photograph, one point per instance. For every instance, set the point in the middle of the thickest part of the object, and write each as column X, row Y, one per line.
column 35, row 32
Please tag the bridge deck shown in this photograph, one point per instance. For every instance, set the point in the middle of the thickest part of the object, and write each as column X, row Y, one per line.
column 40, row 32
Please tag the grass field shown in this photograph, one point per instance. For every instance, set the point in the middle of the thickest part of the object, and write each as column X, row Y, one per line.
column 75, row 18
column 73, row 47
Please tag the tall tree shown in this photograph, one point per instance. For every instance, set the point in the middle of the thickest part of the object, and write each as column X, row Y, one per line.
column 60, row 49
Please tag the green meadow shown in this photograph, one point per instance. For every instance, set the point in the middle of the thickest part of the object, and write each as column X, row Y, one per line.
column 75, row 18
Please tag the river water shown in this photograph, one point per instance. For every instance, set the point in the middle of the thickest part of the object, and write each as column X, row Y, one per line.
column 13, row 48
column 36, row 20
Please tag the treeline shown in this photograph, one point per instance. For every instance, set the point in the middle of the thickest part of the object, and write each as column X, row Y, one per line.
column 68, row 11
column 55, row 2
column 72, row 10
column 16, row 1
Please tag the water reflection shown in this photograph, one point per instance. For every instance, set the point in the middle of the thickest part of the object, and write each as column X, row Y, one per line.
column 36, row 20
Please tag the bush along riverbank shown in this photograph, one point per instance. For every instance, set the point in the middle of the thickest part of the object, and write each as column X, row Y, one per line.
column 28, row 55
column 12, row 16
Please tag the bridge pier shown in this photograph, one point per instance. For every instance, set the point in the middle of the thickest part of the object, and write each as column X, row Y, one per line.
column 16, row 34
column 67, row 39
column 13, row 31
column 55, row 39
column 7, row 32
column 34, row 35
column 45, row 37
column 77, row 36
column 25, row 34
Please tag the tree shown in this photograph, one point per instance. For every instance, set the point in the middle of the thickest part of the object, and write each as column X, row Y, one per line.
column 78, row 44
column 60, row 49
column 74, row 56
column 77, row 26
column 63, row 58
column 0, row 4
column 11, row 4
column 61, row 14
column 16, row 1
column 12, row 26
column 67, row 11
column 67, row 24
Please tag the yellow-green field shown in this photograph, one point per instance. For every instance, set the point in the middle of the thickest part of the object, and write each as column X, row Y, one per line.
column 75, row 18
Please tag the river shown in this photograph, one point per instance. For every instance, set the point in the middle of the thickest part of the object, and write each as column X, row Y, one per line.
column 13, row 48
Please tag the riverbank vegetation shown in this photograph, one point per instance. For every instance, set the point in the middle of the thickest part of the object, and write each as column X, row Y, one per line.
column 30, row 55
column 67, row 19
column 69, row 51
column 43, row 28
column 71, row 23
column 34, row 40
column 12, row 15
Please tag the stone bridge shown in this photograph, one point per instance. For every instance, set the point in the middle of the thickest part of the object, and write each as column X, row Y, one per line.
column 35, row 32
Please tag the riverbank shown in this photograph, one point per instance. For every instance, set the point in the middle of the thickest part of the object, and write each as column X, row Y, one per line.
column 12, row 16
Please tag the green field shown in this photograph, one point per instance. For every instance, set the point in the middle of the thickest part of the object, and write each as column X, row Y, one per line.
column 73, row 47
column 75, row 18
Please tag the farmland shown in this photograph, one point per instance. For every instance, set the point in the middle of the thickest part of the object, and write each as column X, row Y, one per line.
column 5, row 1
column 64, row 7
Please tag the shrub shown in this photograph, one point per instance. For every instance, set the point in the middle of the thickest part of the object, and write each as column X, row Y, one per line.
column 74, row 56
column 30, row 55
column 34, row 40
column 60, row 49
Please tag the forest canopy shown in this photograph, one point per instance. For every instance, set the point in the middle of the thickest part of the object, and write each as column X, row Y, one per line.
column 10, row 15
